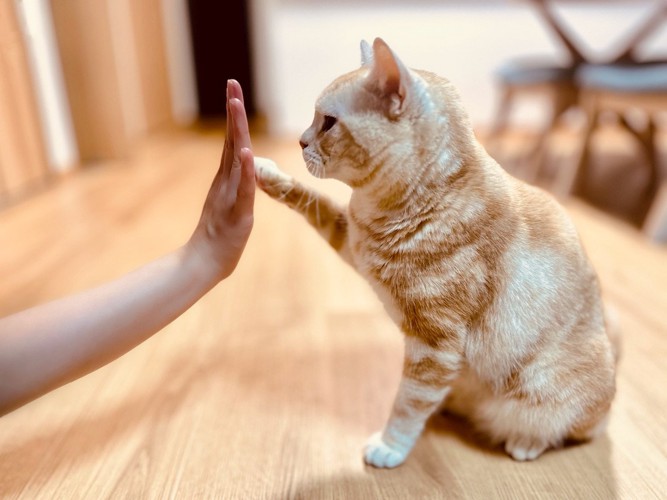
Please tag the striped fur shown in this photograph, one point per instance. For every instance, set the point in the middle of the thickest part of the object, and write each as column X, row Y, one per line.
column 484, row 275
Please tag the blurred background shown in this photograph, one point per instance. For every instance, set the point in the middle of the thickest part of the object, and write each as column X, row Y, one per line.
column 111, row 129
column 86, row 81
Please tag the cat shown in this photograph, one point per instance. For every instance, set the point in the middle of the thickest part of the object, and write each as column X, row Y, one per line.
column 484, row 275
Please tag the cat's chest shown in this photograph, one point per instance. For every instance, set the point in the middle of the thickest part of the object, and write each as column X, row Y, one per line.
column 383, row 277
column 397, row 280
column 374, row 257
column 379, row 262
column 405, row 272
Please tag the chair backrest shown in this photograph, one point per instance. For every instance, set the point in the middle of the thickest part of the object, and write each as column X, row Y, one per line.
column 556, row 26
column 642, row 33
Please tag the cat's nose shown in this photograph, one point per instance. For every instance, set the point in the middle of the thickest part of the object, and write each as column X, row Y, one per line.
column 303, row 144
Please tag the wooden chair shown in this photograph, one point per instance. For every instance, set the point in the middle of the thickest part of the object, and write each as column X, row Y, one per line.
column 529, row 78
column 622, row 88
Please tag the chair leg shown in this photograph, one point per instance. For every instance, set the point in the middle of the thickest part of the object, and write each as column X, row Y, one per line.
column 563, row 99
column 647, row 140
column 570, row 180
column 655, row 223
column 501, row 120
column 536, row 155
column 651, row 148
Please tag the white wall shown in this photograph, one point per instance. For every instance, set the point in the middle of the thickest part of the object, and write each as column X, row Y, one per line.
column 301, row 46
column 57, row 128
column 180, row 61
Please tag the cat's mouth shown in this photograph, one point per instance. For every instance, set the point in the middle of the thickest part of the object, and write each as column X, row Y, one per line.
column 314, row 165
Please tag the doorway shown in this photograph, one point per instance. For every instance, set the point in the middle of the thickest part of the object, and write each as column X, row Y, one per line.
column 221, row 47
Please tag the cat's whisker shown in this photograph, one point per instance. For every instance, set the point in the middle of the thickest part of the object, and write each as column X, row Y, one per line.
column 312, row 199
column 284, row 194
column 300, row 203
column 315, row 167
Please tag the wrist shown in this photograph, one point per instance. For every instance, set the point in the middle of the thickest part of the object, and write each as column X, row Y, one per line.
column 201, row 268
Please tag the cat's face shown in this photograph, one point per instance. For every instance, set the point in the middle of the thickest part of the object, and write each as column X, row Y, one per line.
column 329, row 146
column 384, row 121
column 366, row 117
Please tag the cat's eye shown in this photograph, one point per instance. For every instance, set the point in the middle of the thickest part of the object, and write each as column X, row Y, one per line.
column 329, row 122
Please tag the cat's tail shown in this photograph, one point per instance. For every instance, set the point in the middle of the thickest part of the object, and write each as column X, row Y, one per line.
column 613, row 328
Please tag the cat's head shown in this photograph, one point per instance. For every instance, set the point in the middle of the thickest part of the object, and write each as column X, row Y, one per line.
column 382, row 118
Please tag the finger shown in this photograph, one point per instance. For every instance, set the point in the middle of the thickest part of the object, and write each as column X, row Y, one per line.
column 232, row 185
column 241, row 136
column 227, row 156
column 235, row 90
column 245, row 198
column 241, row 130
column 228, row 151
column 229, row 136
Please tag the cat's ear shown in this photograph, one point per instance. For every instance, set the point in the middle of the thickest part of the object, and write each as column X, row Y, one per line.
column 388, row 78
column 366, row 53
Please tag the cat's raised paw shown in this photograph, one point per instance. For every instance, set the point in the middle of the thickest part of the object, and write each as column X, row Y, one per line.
column 269, row 176
column 267, row 169
column 379, row 454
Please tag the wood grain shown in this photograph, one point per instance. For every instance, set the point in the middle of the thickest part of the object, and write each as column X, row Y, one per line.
column 269, row 386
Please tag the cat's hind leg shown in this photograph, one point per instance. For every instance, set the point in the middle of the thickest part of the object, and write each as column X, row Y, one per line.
column 529, row 428
column 545, row 405
column 523, row 448
column 526, row 428
column 469, row 394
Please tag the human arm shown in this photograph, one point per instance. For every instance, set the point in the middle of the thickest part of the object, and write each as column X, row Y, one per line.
column 49, row 345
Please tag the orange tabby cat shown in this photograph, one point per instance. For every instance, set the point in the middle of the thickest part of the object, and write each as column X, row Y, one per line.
column 485, row 275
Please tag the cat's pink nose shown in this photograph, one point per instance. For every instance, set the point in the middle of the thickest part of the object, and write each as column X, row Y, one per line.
column 303, row 144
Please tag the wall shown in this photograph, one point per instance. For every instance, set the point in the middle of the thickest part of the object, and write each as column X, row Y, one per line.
column 302, row 45
column 114, row 60
column 47, row 76
column 23, row 161
column 180, row 61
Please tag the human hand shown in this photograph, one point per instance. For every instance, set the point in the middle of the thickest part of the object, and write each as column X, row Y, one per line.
column 227, row 217
column 46, row 346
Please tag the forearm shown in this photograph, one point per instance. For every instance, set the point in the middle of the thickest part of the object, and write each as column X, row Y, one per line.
column 49, row 345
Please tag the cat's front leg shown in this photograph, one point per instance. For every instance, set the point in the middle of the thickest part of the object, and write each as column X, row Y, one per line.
column 321, row 212
column 427, row 375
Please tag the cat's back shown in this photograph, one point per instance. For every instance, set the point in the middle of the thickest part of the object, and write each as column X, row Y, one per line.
column 546, row 250
column 545, row 220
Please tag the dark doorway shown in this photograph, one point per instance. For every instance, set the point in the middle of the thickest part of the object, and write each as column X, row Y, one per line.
column 221, row 45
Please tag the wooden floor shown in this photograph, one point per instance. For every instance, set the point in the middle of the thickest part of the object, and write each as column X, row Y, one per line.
column 269, row 386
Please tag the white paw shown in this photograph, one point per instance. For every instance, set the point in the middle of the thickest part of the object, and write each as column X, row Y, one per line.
column 522, row 449
column 379, row 454
column 267, row 169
